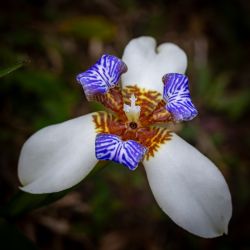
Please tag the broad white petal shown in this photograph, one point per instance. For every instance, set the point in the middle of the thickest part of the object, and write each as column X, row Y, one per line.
column 148, row 64
column 58, row 157
column 189, row 188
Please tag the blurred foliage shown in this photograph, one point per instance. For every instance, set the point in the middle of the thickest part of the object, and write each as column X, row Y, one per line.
column 23, row 202
column 44, row 44
column 9, row 232
column 217, row 95
column 32, row 86
column 10, row 69
column 88, row 28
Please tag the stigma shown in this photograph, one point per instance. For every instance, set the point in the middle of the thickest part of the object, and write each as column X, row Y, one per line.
column 132, row 111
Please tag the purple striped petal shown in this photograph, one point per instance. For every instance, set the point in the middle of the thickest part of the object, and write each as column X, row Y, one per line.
column 111, row 147
column 177, row 96
column 104, row 74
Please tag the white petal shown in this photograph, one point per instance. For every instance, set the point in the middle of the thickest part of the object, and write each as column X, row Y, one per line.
column 58, row 157
column 147, row 64
column 189, row 188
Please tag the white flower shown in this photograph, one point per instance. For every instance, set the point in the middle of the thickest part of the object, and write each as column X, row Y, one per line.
column 187, row 185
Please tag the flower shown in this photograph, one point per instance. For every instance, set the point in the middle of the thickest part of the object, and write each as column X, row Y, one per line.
column 186, row 185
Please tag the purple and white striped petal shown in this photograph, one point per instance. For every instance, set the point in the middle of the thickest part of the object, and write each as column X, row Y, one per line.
column 176, row 94
column 111, row 147
column 104, row 74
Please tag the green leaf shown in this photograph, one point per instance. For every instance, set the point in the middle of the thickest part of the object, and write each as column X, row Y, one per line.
column 23, row 202
column 6, row 71
column 11, row 237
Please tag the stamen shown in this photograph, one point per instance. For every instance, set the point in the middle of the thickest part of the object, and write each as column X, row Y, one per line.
column 132, row 111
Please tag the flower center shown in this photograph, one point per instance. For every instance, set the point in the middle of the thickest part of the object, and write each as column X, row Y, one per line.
column 133, row 125
column 137, row 120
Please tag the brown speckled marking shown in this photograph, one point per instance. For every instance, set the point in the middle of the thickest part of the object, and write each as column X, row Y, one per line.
column 108, row 123
column 145, row 131
column 112, row 100
column 153, row 142
column 151, row 137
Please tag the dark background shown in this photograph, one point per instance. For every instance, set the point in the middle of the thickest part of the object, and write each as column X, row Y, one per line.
column 115, row 209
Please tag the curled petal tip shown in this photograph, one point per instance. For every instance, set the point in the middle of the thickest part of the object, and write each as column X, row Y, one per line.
column 111, row 147
column 102, row 76
column 177, row 96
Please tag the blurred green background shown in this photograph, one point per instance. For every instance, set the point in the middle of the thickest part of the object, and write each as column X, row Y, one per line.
column 50, row 42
